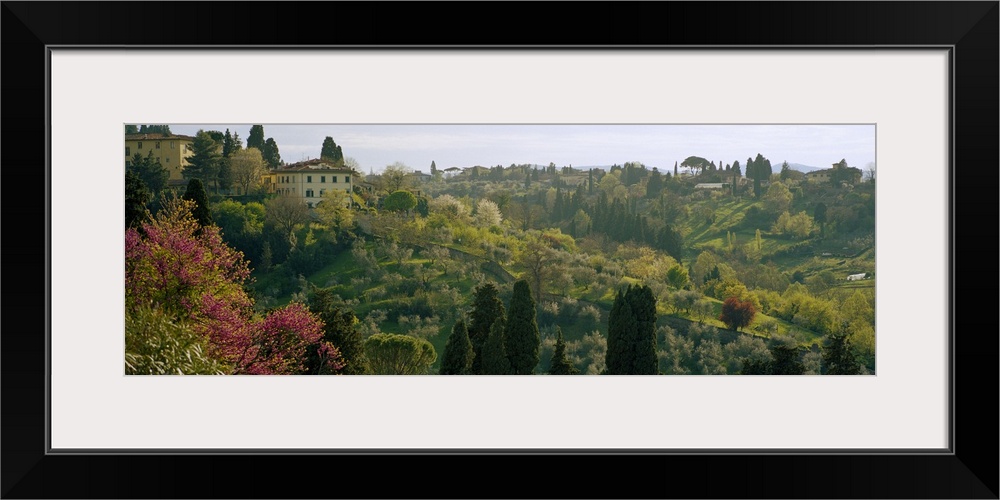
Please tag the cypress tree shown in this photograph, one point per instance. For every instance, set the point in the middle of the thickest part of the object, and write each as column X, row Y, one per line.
column 654, row 185
column 486, row 309
column 494, row 359
column 557, row 207
column 521, row 333
column 227, row 145
column 643, row 340
column 620, row 321
column 256, row 138
column 329, row 149
column 632, row 333
column 271, row 154
column 560, row 364
column 838, row 356
column 458, row 353
column 196, row 192
column 136, row 198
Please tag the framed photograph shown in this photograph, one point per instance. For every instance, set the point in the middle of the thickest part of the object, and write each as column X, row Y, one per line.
column 923, row 95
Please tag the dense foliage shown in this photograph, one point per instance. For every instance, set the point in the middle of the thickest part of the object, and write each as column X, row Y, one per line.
column 627, row 269
column 186, row 271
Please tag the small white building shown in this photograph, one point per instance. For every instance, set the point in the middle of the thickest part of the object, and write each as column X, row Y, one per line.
column 856, row 277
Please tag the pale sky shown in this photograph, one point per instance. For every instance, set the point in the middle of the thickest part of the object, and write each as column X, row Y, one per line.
column 375, row 146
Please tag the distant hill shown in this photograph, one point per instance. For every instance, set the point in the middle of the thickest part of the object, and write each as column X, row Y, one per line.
column 796, row 166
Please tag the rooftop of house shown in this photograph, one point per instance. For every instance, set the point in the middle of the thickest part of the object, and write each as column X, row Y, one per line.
column 314, row 164
column 156, row 137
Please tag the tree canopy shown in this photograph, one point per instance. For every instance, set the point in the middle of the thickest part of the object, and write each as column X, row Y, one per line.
column 400, row 201
column 737, row 313
column 393, row 354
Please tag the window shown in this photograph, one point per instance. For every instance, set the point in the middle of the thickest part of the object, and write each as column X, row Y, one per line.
column 347, row 179
column 335, row 178
column 309, row 178
column 322, row 179
column 128, row 151
column 322, row 192
column 172, row 143
column 139, row 146
column 157, row 144
column 309, row 193
column 168, row 159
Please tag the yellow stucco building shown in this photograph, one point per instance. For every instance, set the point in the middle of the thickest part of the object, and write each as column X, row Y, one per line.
column 309, row 179
column 171, row 150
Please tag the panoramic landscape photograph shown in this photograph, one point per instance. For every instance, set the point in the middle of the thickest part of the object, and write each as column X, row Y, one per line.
column 535, row 249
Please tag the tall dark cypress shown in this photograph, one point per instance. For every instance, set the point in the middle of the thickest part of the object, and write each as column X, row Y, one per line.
column 521, row 337
column 458, row 353
column 256, row 138
column 557, row 207
column 328, row 151
column 270, row 153
column 620, row 321
column 632, row 333
column 136, row 199
column 494, row 358
column 196, row 192
column 561, row 365
column 486, row 309
column 643, row 341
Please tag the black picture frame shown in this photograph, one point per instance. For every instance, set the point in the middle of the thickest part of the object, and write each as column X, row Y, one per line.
column 970, row 471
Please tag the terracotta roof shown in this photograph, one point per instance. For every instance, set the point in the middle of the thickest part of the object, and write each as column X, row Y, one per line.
column 154, row 137
column 314, row 164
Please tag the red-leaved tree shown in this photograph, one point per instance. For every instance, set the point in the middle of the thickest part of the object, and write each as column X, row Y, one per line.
column 737, row 313
column 196, row 278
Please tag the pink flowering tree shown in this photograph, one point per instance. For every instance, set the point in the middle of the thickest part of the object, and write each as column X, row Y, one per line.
column 196, row 278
